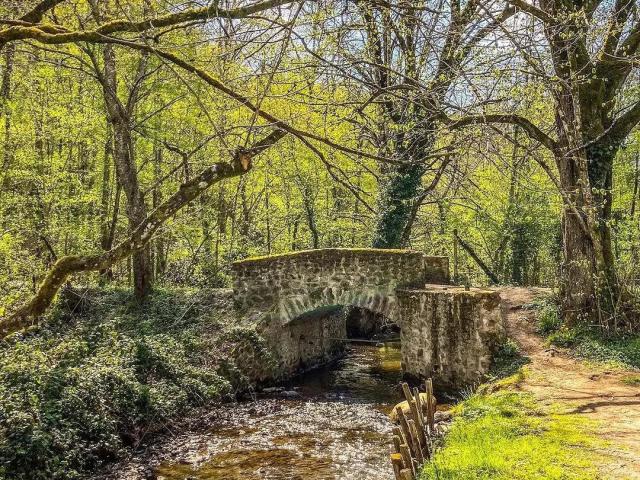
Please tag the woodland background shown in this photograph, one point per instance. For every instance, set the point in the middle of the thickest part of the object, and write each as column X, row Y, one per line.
column 147, row 144
column 59, row 194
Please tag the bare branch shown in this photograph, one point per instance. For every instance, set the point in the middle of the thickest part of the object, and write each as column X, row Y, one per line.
column 531, row 9
column 531, row 129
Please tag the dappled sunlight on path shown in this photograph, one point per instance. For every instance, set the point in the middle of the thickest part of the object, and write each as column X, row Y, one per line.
column 579, row 388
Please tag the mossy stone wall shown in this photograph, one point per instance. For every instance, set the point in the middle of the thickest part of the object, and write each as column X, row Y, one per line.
column 449, row 333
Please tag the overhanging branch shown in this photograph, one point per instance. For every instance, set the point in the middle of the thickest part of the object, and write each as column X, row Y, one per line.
column 533, row 131
column 71, row 264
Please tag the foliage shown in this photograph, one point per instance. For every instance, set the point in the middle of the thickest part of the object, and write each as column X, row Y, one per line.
column 81, row 390
column 623, row 352
column 507, row 360
column 507, row 436
column 587, row 343
column 548, row 315
column 631, row 380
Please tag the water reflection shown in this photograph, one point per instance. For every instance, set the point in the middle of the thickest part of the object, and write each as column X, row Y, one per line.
column 332, row 424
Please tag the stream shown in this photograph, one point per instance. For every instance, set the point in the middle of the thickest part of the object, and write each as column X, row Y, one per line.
column 328, row 424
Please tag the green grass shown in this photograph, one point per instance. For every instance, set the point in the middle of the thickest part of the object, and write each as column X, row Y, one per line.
column 507, row 436
column 85, row 388
column 631, row 380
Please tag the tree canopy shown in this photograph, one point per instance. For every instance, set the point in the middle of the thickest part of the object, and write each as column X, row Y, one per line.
column 153, row 142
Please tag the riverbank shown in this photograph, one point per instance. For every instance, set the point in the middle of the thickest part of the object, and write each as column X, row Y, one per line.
column 105, row 374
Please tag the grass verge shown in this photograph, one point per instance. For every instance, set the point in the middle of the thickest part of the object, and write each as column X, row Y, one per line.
column 506, row 435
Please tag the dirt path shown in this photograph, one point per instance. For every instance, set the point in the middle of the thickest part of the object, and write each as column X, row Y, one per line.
column 598, row 394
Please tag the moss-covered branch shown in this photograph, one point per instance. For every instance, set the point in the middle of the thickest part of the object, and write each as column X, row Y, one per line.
column 30, row 22
column 72, row 264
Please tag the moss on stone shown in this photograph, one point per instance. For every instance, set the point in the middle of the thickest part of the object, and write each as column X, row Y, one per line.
column 328, row 251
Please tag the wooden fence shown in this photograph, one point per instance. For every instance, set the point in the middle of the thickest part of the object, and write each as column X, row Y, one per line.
column 412, row 437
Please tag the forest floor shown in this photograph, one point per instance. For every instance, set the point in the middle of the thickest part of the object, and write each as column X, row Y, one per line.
column 592, row 390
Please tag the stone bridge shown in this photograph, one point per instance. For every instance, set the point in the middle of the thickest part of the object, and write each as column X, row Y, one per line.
column 295, row 302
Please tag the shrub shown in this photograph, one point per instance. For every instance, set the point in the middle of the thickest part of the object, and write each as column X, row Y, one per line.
column 549, row 319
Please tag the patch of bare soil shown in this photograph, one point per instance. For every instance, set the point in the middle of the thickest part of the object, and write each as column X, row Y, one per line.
column 598, row 394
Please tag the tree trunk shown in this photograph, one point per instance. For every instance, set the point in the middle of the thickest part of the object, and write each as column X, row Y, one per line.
column 159, row 257
column 400, row 188
column 5, row 109
column 136, row 208
column 589, row 287
column 106, row 240
column 124, row 159
column 311, row 221
column 578, row 270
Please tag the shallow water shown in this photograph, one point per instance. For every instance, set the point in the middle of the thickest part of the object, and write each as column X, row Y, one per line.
column 335, row 427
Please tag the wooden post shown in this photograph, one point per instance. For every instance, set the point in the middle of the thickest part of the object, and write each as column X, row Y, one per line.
column 431, row 408
column 407, row 392
column 398, row 465
column 455, row 256
column 397, row 441
column 416, row 394
column 418, row 445
column 420, row 437
column 406, row 431
column 397, row 432
column 406, row 474
column 406, row 458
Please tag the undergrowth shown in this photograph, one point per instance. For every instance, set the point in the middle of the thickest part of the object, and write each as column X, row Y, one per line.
column 86, row 387
column 507, row 361
column 585, row 343
column 506, row 435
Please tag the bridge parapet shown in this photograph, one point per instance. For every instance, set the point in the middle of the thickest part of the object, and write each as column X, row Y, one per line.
column 291, row 284
column 449, row 333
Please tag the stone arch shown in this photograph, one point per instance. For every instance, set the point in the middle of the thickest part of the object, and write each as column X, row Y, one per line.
column 283, row 287
column 270, row 292
column 379, row 301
